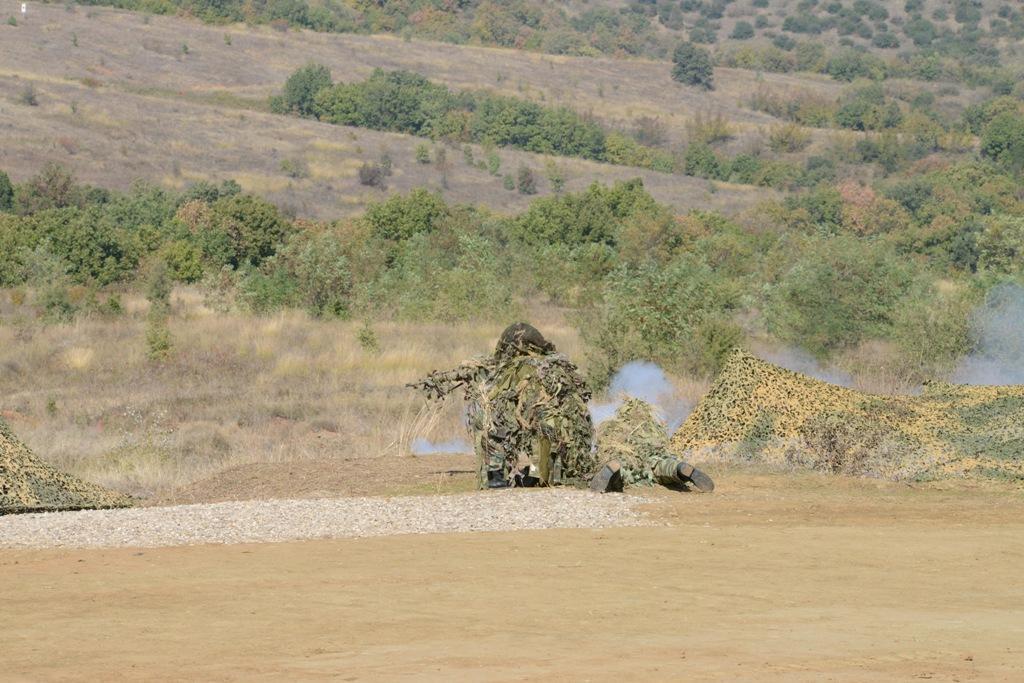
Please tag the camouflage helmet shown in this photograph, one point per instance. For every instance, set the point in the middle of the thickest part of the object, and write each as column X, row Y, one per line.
column 521, row 339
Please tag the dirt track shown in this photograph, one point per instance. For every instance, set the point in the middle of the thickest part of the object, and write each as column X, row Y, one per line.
column 833, row 580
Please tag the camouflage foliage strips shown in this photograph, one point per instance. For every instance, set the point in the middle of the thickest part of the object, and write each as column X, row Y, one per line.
column 783, row 417
column 27, row 484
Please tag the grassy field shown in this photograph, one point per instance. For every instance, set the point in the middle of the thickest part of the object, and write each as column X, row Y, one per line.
column 238, row 389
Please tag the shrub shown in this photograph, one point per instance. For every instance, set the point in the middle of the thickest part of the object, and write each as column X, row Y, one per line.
column 29, row 96
column 372, row 175
column 593, row 216
column 692, row 66
column 1003, row 141
column 676, row 316
column 56, row 304
column 295, row 168
column 526, row 182
column 301, row 88
column 707, row 129
column 399, row 218
column 742, row 31
column 422, row 153
column 1001, row 245
column 320, row 269
column 701, row 161
column 788, row 137
column 248, row 229
column 837, row 292
column 52, row 188
column 6, row 192
column 184, row 261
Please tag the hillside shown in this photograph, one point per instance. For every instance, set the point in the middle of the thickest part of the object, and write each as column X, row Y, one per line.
column 115, row 109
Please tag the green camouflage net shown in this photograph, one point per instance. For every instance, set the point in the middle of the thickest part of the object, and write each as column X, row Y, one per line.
column 777, row 415
column 27, row 484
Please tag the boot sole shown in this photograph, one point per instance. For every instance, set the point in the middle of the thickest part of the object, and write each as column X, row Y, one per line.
column 701, row 481
column 608, row 479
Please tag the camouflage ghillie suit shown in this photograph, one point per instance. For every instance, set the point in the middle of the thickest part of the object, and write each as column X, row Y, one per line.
column 527, row 411
column 636, row 439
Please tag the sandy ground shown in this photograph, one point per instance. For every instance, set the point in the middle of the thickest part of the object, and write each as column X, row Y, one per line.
column 770, row 578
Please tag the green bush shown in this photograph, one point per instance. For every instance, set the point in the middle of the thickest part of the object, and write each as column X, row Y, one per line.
column 52, row 188
column 246, row 230
column 837, row 292
column 1000, row 245
column 399, row 218
column 742, row 31
column 526, row 182
column 593, row 216
column 692, row 65
column 6, row 192
column 1003, row 141
column 677, row 316
column 319, row 265
column 300, row 90
column 184, row 260
column 701, row 161
column 406, row 102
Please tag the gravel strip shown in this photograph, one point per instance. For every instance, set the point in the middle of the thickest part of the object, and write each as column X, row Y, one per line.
column 289, row 520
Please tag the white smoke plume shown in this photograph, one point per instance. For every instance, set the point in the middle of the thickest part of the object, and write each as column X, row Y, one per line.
column 803, row 362
column 648, row 382
column 998, row 330
column 421, row 446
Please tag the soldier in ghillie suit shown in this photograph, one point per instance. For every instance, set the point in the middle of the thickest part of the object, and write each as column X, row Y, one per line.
column 531, row 425
column 527, row 411
column 633, row 445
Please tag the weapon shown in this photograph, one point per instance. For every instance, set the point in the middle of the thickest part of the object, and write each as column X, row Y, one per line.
column 441, row 383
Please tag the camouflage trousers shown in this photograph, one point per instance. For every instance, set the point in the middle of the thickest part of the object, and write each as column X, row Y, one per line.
column 661, row 468
column 544, row 465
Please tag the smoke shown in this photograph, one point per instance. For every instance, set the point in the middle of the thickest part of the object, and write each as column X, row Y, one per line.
column 802, row 362
column 648, row 382
column 997, row 327
column 421, row 446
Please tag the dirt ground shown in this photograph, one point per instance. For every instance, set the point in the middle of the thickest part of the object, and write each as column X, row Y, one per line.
column 799, row 578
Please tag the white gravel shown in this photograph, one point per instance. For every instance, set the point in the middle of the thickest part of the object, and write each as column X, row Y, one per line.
column 290, row 520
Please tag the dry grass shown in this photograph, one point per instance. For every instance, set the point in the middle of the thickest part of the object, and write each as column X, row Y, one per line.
column 144, row 110
column 237, row 389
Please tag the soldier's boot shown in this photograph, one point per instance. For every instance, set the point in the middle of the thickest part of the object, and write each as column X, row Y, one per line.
column 689, row 474
column 496, row 479
column 608, row 478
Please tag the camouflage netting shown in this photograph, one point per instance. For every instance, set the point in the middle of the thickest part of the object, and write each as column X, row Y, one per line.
column 27, row 484
column 759, row 410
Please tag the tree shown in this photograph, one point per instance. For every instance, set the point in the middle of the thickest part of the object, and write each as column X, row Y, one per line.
column 6, row 192
column 1003, row 141
column 252, row 228
column 692, row 66
column 301, row 88
column 742, row 31
column 53, row 188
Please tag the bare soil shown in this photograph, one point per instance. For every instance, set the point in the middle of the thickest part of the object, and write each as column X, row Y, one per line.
column 795, row 578
column 330, row 478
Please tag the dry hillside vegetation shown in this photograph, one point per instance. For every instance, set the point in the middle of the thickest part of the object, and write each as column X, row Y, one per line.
column 239, row 390
column 128, row 101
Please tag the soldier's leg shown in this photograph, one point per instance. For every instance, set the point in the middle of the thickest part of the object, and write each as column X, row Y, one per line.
column 493, row 469
column 608, row 478
column 672, row 471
